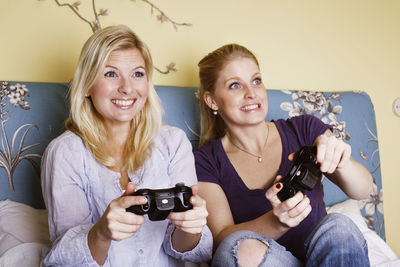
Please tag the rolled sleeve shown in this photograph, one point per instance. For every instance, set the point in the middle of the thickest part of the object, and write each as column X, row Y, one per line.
column 71, row 249
column 201, row 253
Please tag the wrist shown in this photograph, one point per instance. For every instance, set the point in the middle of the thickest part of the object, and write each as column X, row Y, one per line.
column 181, row 233
column 96, row 234
column 184, row 241
column 279, row 226
column 98, row 244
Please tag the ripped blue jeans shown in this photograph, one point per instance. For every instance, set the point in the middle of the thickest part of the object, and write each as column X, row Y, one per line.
column 335, row 241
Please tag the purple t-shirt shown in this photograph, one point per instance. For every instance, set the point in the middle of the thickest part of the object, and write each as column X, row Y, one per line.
column 213, row 165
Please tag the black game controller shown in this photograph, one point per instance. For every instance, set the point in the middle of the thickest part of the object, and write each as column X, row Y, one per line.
column 303, row 175
column 160, row 202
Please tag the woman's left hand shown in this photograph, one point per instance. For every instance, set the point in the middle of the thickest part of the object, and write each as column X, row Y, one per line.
column 191, row 221
column 332, row 153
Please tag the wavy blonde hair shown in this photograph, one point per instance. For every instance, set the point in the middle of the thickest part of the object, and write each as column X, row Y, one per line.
column 87, row 123
column 213, row 126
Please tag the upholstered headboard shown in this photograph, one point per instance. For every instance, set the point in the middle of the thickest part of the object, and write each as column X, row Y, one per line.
column 34, row 113
column 31, row 115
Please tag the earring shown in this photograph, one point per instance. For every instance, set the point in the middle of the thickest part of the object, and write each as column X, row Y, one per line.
column 215, row 112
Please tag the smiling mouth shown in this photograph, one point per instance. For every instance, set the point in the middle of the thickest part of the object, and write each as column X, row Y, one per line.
column 122, row 103
column 250, row 107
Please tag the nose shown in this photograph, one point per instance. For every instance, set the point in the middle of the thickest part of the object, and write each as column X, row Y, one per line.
column 249, row 91
column 125, row 86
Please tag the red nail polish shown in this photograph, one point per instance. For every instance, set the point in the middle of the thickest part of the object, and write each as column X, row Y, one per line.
column 278, row 186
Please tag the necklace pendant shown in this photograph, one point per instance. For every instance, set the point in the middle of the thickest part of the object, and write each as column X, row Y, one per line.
column 259, row 159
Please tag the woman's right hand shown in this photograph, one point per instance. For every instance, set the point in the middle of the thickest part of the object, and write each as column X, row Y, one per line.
column 292, row 211
column 115, row 224
column 118, row 224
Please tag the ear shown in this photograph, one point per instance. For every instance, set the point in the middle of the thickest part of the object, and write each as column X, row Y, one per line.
column 209, row 99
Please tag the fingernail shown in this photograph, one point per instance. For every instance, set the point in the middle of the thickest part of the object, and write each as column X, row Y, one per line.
column 278, row 186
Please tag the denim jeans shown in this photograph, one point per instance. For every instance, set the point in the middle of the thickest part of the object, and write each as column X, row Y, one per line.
column 334, row 241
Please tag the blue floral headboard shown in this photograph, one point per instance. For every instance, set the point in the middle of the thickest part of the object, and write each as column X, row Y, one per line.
column 32, row 114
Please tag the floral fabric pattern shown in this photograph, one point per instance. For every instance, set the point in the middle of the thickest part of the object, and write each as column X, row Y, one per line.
column 316, row 103
column 9, row 159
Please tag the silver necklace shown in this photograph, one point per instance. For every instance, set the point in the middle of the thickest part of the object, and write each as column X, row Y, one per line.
column 259, row 157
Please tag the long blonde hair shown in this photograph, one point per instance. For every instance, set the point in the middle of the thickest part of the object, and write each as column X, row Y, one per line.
column 213, row 126
column 85, row 121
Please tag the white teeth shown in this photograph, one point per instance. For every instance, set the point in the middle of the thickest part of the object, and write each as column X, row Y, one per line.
column 122, row 102
column 250, row 107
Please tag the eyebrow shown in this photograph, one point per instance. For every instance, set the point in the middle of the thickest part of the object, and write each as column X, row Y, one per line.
column 110, row 66
column 135, row 68
column 238, row 78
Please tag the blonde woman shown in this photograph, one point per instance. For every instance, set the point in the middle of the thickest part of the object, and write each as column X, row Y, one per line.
column 239, row 160
column 115, row 144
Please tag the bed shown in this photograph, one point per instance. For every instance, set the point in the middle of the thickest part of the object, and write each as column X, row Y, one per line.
column 33, row 113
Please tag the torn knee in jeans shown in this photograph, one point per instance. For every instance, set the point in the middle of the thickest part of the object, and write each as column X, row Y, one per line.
column 245, row 247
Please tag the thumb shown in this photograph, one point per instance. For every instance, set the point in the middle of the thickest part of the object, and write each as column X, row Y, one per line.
column 196, row 200
column 130, row 189
column 195, row 189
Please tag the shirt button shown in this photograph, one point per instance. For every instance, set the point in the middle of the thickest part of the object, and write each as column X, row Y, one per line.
column 140, row 251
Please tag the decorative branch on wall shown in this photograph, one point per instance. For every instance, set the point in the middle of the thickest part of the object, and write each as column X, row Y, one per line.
column 96, row 25
column 162, row 17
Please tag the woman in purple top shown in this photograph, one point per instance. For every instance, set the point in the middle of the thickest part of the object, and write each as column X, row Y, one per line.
column 116, row 143
column 241, row 160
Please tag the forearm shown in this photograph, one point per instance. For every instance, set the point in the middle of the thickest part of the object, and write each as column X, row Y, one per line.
column 182, row 241
column 354, row 179
column 98, row 245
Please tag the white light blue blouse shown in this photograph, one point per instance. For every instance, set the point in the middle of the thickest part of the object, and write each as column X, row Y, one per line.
column 77, row 189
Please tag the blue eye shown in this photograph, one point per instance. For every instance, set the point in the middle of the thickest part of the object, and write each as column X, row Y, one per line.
column 257, row 81
column 234, row 86
column 110, row 74
column 138, row 74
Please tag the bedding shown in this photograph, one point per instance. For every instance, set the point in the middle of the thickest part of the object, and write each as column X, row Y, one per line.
column 24, row 234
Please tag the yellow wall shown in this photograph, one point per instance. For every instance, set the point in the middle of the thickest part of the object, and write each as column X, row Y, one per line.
column 301, row 44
